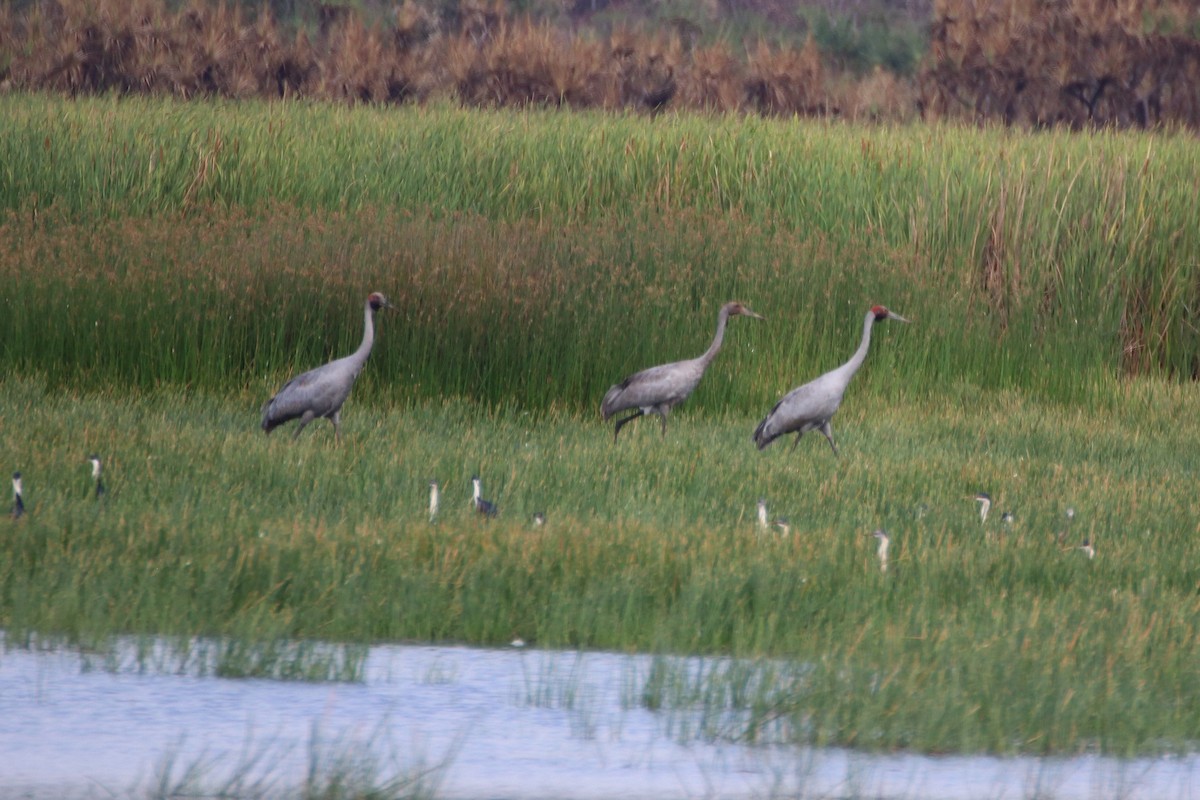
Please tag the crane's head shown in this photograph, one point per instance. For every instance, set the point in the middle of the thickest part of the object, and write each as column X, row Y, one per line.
column 880, row 534
column 378, row 301
column 881, row 313
column 737, row 309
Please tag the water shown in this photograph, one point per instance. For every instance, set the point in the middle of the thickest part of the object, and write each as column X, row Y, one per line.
column 479, row 723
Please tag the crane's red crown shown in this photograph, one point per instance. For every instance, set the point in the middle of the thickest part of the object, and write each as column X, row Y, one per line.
column 880, row 312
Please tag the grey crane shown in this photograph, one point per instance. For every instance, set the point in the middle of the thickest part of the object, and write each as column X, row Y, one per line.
column 484, row 507
column 18, row 508
column 811, row 406
column 320, row 392
column 658, row 389
column 882, row 552
column 95, row 462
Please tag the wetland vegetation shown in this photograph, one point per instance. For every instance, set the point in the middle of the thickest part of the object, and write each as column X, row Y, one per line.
column 164, row 266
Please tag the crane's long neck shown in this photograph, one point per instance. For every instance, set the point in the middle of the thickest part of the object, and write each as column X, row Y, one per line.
column 860, row 355
column 368, row 340
column 715, row 347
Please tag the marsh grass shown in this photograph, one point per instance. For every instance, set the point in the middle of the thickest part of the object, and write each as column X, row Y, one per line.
column 335, row 770
column 980, row 637
column 538, row 258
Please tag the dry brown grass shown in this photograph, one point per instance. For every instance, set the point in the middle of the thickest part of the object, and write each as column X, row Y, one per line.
column 1066, row 62
column 480, row 55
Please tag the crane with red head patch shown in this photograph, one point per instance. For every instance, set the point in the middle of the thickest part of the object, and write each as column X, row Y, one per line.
column 812, row 406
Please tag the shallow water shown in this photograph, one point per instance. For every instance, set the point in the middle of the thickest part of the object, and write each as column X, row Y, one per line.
column 513, row 723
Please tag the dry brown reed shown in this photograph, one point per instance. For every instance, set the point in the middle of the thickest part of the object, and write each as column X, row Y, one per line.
column 481, row 55
column 1066, row 62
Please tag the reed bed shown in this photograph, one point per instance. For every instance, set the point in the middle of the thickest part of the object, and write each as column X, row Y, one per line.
column 536, row 257
column 980, row 636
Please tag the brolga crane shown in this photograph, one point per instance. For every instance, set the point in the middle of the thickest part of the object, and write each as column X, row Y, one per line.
column 18, row 509
column 484, row 507
column 811, row 406
column 659, row 389
column 882, row 552
column 322, row 391
column 434, row 493
column 95, row 462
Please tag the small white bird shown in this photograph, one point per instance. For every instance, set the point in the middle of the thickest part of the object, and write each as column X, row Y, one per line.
column 882, row 552
column 18, row 508
column 434, row 493
column 1088, row 549
column 95, row 462
column 484, row 507
column 1065, row 533
column 539, row 519
column 762, row 515
column 985, row 503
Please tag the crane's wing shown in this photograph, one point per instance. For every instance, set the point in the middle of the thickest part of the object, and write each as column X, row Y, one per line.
column 800, row 410
column 316, row 390
column 667, row 383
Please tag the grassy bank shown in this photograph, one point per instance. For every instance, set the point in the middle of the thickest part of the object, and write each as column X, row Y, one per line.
column 979, row 637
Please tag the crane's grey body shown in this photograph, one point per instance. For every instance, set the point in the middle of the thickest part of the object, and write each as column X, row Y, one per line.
column 321, row 392
column 811, row 406
column 18, row 508
column 659, row 389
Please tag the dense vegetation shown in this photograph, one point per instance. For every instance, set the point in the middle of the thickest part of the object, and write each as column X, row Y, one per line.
column 1070, row 62
column 164, row 266
column 576, row 248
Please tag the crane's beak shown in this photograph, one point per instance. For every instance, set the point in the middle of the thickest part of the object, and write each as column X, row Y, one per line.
column 897, row 317
column 747, row 312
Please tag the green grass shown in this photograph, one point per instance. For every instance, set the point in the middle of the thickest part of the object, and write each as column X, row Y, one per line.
column 980, row 637
column 164, row 267
column 538, row 257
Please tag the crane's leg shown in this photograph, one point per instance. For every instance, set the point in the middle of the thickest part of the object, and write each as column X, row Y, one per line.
column 336, row 419
column 828, row 431
column 796, row 442
column 662, row 415
column 621, row 422
column 304, row 420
